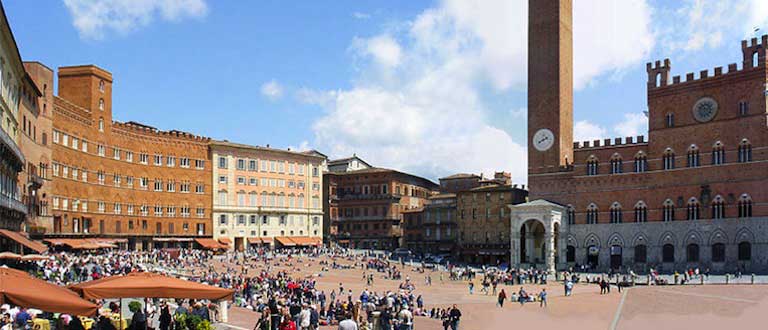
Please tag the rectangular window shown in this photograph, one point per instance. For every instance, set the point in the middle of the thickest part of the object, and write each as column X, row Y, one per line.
column 100, row 150
column 170, row 161
column 241, row 180
column 116, row 154
column 223, row 162
column 199, row 188
column 199, row 164
column 84, row 146
column 223, row 198
column 128, row 156
column 222, row 179
column 252, row 166
column 143, row 158
column 241, row 164
column 158, row 160
column 184, row 162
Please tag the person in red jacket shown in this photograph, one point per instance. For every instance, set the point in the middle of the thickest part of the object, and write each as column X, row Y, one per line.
column 288, row 323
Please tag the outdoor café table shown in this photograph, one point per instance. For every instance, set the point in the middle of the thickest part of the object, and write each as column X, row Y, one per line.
column 41, row 324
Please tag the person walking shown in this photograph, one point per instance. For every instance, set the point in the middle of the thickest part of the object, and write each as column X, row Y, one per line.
column 455, row 317
column 165, row 316
column 543, row 298
column 502, row 297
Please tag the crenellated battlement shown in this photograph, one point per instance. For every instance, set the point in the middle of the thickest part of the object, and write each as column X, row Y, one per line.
column 615, row 142
column 144, row 129
column 754, row 56
column 658, row 73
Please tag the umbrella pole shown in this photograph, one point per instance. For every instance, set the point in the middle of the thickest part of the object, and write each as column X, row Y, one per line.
column 120, row 313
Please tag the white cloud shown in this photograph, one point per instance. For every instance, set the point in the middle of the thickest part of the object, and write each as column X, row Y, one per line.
column 419, row 103
column 383, row 48
column 272, row 90
column 634, row 124
column 697, row 24
column 584, row 130
column 93, row 19
column 360, row 15
column 609, row 37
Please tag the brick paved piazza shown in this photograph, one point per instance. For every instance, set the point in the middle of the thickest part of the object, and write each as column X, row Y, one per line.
column 655, row 307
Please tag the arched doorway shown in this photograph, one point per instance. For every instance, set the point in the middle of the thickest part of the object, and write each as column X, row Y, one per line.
column 532, row 242
column 616, row 255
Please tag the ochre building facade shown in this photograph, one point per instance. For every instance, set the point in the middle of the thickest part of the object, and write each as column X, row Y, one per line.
column 266, row 197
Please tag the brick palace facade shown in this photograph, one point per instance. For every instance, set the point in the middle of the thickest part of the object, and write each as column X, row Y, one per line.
column 366, row 205
column 128, row 181
column 692, row 195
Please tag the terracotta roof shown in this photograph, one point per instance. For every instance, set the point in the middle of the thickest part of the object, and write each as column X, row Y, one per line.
column 225, row 143
column 433, row 185
column 494, row 187
column 443, row 195
column 460, row 176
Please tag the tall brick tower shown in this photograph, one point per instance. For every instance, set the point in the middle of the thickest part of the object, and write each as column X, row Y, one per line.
column 550, row 86
column 90, row 87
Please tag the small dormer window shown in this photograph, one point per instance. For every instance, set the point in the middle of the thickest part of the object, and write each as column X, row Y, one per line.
column 101, row 104
column 101, row 86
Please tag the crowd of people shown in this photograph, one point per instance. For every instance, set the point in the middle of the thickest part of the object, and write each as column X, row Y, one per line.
column 273, row 285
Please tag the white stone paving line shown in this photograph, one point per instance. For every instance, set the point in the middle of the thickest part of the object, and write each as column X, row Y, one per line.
column 617, row 316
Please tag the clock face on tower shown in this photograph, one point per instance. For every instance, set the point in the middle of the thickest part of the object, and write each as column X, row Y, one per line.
column 543, row 139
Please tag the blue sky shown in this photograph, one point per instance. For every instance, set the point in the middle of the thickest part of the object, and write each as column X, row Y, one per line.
column 429, row 87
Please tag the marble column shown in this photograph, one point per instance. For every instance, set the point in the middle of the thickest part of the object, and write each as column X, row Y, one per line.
column 550, row 250
column 514, row 251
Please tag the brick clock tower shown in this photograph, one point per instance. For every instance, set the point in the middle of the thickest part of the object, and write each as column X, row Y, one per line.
column 550, row 86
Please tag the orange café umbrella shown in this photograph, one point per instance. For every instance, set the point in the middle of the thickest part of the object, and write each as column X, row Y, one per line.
column 21, row 289
column 149, row 285
column 9, row 255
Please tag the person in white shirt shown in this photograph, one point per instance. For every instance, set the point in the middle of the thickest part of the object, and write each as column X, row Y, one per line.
column 405, row 319
column 348, row 323
column 304, row 317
